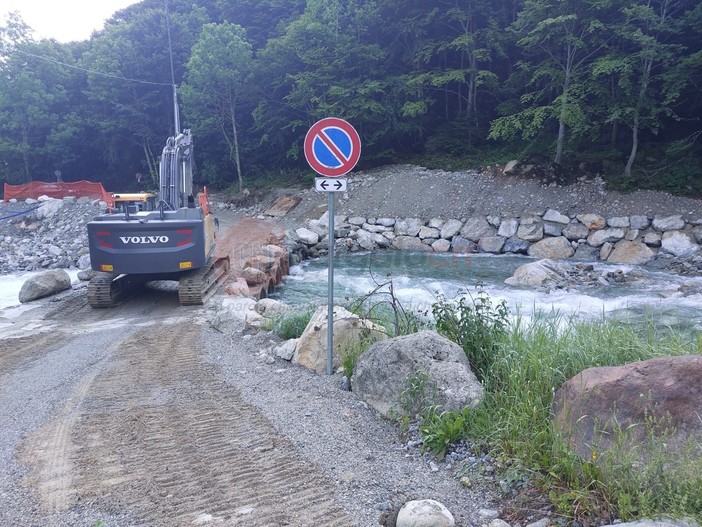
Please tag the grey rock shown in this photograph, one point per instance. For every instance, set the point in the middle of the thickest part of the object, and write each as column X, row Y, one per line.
column 552, row 248
column 639, row 222
column 476, row 228
column 586, row 253
column 436, row 223
column 508, row 227
column 441, row 246
column 357, row 220
column 461, row 245
column 631, row 252
column 597, row 238
column 491, row 244
column 424, row 513
column 408, row 227
column 286, row 350
column 410, row 243
column 679, row 243
column 44, row 284
column 606, row 250
column 382, row 372
column 429, row 232
column 668, row 223
column 653, row 239
column 556, row 217
column 619, row 222
column 541, row 273
column 592, row 221
column 531, row 232
column 451, row 228
column 307, row 236
column 576, row 231
column 516, row 246
column 552, row 229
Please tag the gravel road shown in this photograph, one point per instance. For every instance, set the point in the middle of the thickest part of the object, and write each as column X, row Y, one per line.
column 146, row 415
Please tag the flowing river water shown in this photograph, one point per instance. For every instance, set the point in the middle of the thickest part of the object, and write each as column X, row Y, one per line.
column 419, row 278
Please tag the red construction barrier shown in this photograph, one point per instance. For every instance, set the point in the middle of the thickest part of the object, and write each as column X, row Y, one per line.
column 54, row 190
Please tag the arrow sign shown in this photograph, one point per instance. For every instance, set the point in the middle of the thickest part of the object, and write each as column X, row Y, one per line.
column 328, row 184
column 332, row 147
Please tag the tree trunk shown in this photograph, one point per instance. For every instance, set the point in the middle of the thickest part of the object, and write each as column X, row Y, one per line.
column 236, row 147
column 634, row 147
column 648, row 65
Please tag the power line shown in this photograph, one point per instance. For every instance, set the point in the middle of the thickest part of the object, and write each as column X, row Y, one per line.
column 109, row 75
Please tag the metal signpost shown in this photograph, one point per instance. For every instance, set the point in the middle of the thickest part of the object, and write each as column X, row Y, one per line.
column 332, row 148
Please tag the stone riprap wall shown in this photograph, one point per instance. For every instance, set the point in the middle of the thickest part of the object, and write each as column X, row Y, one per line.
column 545, row 234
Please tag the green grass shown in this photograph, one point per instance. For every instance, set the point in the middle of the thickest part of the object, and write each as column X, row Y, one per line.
column 528, row 363
column 291, row 324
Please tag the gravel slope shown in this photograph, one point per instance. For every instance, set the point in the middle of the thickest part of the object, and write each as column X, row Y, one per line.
column 406, row 191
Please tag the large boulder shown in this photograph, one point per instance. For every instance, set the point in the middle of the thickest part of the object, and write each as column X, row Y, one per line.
column 349, row 330
column 668, row 223
column 679, row 243
column 491, row 244
column 599, row 238
column 631, row 252
column 410, row 243
column 540, row 274
column 576, row 231
column 476, row 228
column 382, row 372
column 592, row 221
column 408, row 227
column 307, row 236
column 424, row 513
column 588, row 407
column 44, row 284
column 508, row 227
column 49, row 207
column 552, row 248
column 451, row 228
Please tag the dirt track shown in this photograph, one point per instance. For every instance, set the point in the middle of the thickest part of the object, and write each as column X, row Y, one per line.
column 145, row 432
column 152, row 434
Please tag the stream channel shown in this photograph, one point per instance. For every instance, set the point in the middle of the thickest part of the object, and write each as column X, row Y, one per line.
column 419, row 278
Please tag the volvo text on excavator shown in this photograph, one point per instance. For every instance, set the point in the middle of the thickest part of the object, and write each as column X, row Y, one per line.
column 169, row 236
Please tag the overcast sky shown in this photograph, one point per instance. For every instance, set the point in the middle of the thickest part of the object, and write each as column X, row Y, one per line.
column 64, row 20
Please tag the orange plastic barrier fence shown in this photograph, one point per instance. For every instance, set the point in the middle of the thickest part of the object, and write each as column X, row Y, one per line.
column 54, row 190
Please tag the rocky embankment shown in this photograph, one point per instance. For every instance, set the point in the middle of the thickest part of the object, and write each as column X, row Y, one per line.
column 45, row 234
column 661, row 241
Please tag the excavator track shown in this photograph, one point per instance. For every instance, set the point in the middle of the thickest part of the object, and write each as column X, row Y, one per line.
column 109, row 289
column 197, row 286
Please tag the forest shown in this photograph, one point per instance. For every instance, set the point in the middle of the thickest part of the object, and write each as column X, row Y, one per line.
column 611, row 85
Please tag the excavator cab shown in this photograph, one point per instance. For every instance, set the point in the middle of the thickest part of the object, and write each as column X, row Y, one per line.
column 144, row 237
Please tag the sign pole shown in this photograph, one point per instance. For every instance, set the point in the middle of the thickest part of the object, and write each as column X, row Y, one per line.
column 332, row 148
column 330, row 287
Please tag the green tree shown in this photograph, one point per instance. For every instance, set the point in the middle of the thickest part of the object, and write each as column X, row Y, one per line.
column 650, row 66
column 217, row 72
column 560, row 40
column 32, row 101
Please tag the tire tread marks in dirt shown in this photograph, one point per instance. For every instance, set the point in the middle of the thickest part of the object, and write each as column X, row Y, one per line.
column 161, row 437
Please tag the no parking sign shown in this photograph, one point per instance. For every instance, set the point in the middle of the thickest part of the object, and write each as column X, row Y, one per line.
column 332, row 147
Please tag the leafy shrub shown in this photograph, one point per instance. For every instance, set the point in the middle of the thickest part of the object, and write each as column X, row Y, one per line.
column 475, row 324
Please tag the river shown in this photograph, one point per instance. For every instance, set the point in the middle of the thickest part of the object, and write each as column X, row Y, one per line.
column 419, row 278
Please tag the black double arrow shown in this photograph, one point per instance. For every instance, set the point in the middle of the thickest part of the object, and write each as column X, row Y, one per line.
column 325, row 184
